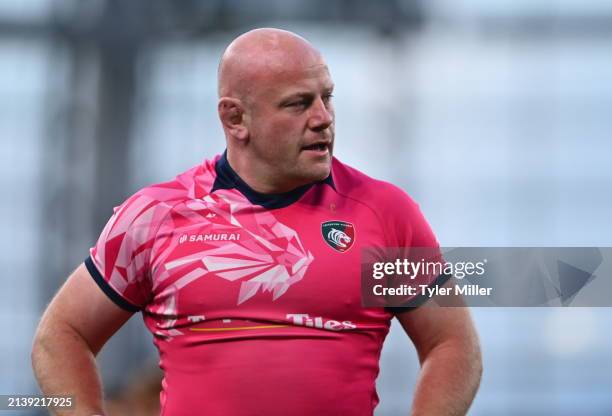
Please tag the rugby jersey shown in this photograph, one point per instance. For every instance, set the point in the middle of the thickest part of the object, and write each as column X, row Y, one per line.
column 254, row 300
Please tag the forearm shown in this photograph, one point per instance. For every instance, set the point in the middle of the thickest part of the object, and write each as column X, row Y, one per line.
column 65, row 365
column 448, row 381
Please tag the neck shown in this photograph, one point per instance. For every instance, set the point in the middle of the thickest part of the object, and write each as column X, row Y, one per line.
column 260, row 178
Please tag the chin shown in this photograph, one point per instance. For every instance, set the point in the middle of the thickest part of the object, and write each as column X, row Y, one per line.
column 319, row 174
column 312, row 172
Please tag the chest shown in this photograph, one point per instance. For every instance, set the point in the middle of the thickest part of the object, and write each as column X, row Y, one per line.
column 216, row 260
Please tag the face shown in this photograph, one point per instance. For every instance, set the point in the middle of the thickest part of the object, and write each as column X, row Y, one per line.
column 291, row 125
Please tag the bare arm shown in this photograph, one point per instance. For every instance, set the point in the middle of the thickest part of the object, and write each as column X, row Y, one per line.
column 73, row 329
column 449, row 353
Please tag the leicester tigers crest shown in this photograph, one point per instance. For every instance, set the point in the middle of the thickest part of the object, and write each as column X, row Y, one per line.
column 339, row 235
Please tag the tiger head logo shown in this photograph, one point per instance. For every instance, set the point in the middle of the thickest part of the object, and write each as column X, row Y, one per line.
column 339, row 235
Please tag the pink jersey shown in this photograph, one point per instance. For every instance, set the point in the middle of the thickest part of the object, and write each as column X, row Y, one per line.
column 254, row 300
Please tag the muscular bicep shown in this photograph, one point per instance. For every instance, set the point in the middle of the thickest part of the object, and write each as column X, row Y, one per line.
column 82, row 306
column 432, row 325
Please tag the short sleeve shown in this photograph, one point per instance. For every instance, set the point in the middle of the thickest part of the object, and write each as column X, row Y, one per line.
column 409, row 228
column 409, row 232
column 119, row 261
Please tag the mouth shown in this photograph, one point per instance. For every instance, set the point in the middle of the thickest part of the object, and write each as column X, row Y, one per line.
column 318, row 147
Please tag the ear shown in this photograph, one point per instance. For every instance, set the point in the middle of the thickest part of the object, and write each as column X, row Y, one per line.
column 231, row 114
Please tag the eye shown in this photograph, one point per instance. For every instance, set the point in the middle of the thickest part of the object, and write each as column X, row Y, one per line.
column 327, row 97
column 299, row 103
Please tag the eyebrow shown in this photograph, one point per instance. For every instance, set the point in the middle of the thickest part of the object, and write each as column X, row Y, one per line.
column 304, row 94
column 294, row 96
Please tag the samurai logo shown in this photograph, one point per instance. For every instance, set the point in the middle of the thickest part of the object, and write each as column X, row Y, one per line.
column 339, row 235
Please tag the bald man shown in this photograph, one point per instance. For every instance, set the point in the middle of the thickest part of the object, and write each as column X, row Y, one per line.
column 246, row 268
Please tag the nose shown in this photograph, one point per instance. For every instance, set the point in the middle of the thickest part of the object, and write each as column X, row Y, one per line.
column 321, row 115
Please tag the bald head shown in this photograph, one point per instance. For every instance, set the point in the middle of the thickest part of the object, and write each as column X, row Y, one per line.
column 259, row 55
column 276, row 110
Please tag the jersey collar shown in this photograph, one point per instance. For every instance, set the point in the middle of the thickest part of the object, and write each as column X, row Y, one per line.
column 227, row 178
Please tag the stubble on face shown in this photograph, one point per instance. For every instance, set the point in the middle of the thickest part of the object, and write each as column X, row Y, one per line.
column 264, row 68
column 293, row 115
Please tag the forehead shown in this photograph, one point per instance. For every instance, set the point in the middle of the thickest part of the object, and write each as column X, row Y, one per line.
column 287, row 80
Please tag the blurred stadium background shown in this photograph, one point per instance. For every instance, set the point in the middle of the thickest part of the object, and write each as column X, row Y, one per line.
column 496, row 116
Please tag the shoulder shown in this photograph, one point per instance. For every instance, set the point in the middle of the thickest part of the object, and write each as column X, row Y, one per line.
column 193, row 183
column 380, row 195
column 149, row 205
column 399, row 215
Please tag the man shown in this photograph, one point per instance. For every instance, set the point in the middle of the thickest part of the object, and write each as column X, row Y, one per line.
column 246, row 267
